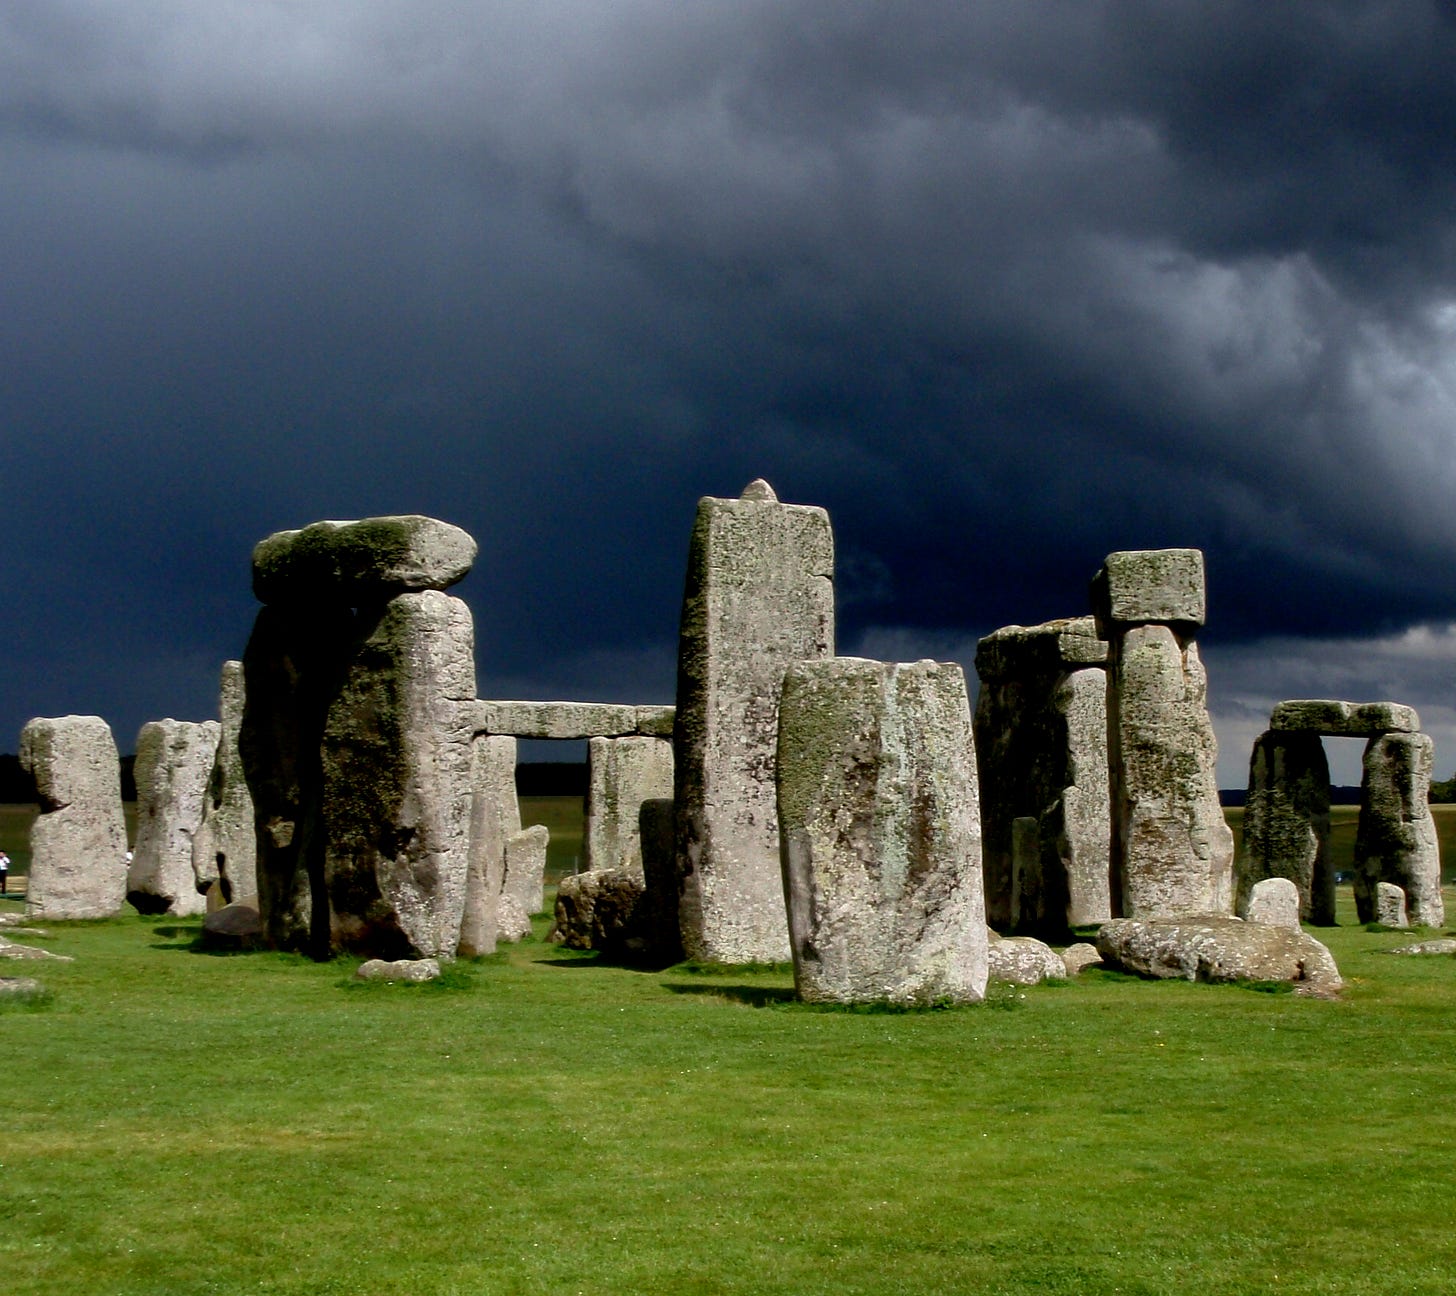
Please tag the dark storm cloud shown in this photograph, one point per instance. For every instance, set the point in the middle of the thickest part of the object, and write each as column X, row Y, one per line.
column 1005, row 286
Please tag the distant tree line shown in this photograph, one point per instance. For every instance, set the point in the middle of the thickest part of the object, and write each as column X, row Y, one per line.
column 1443, row 791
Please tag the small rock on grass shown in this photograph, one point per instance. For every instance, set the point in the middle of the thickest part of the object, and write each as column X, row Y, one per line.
column 1079, row 956
column 1446, row 945
column 1022, row 960
column 413, row 970
column 19, row 987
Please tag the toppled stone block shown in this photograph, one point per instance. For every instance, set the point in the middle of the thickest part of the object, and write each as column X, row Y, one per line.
column 880, row 827
column 363, row 562
column 236, row 926
column 622, row 773
column 1275, row 901
column 78, row 842
column 603, row 911
column 759, row 596
column 1445, row 945
column 20, row 988
column 1344, row 719
column 1141, row 586
column 1287, row 823
column 1022, row 960
column 1079, row 956
column 409, row 970
column 1219, row 948
column 225, row 849
column 1395, row 840
column 525, row 876
column 174, row 760
column 1390, row 905
column 495, row 819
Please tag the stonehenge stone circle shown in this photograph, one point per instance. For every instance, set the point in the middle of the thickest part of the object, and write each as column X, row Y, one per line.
column 880, row 831
column 1172, row 851
column 174, row 760
column 78, row 842
column 1041, row 748
column 495, row 818
column 1390, row 908
column 1274, row 900
column 225, row 848
column 622, row 773
column 758, row 597
column 1287, row 822
column 1395, row 840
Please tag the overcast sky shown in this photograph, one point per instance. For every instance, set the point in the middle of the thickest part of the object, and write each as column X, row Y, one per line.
column 1004, row 286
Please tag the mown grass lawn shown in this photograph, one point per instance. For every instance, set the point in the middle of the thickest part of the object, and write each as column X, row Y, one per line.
column 180, row 1122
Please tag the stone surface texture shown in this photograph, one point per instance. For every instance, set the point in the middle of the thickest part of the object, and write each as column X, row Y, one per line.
column 409, row 970
column 525, row 871
column 573, row 720
column 1172, row 851
column 1023, row 960
column 1041, row 748
column 1344, row 719
column 363, row 562
column 1396, row 837
column 1287, row 822
column 1274, row 900
column 225, row 848
column 174, row 760
column 880, row 827
column 513, row 923
column 622, row 773
column 398, row 781
column 758, row 597
column 1390, row 908
column 602, row 910
column 495, row 818
column 1219, row 948
column 78, row 841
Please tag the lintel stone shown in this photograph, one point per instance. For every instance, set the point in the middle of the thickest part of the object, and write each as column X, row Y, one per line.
column 1138, row 586
column 1019, row 650
column 1345, row 719
column 573, row 720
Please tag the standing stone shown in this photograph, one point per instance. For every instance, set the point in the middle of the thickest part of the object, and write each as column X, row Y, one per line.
column 397, row 781
column 881, row 834
column 525, row 872
column 1287, row 822
column 1041, row 747
column 759, row 597
column 1172, row 851
column 225, row 849
column 1276, row 901
column 1396, row 837
column 174, row 760
column 1390, row 905
column 78, row 842
column 622, row 774
column 495, row 817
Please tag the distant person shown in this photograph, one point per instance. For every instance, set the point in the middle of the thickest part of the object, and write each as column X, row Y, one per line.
column 4, row 873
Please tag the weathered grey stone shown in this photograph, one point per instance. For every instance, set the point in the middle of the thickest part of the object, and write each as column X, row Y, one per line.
column 512, row 922
column 1141, row 586
column 1219, row 948
column 174, row 760
column 657, row 831
column 1445, row 945
column 363, row 562
column 1344, row 719
column 78, row 841
column 1274, row 900
column 1023, row 960
column 411, row 970
column 758, row 597
column 1079, row 956
column 10, row 950
column 397, row 781
column 622, row 773
column 293, row 667
column 495, row 818
column 572, row 720
column 1395, row 840
column 236, row 926
column 1041, row 748
column 1172, row 851
column 1287, row 823
column 525, row 874
column 1390, row 905
column 602, row 910
column 881, row 832
column 20, row 988
column 225, row 849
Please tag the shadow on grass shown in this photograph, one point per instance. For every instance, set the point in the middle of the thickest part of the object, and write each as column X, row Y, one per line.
column 753, row 996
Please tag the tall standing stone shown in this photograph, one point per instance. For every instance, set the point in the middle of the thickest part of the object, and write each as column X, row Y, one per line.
column 495, row 817
column 397, row 781
column 759, row 596
column 622, row 773
column 525, row 871
column 174, row 760
column 1287, row 822
column 225, row 849
column 880, row 830
column 1041, row 747
column 1172, row 851
column 78, row 842
column 1396, row 838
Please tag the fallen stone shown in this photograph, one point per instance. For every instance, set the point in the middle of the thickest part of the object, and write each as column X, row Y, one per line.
column 1023, row 960
column 10, row 950
column 364, row 562
column 1287, row 823
column 1274, row 901
column 236, row 926
column 525, row 875
column 622, row 773
column 78, row 841
column 1140, row 586
column 1216, row 948
column 174, row 760
column 225, row 848
column 1079, row 956
column 1390, row 905
column 20, row 987
column 512, row 922
column 1395, row 839
column 411, row 970
column 1344, row 719
column 1446, row 945
column 881, row 833
column 601, row 911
